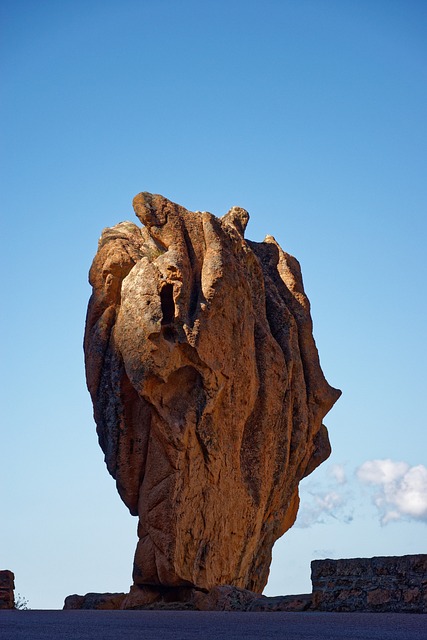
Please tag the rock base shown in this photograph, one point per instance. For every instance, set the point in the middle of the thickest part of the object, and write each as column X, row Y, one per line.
column 381, row 584
column 159, row 598
column 222, row 598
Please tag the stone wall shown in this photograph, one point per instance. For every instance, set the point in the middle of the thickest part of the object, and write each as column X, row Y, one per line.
column 7, row 586
column 371, row 584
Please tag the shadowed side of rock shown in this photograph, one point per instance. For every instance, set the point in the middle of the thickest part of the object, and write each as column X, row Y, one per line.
column 228, row 598
column 207, row 391
column 95, row 601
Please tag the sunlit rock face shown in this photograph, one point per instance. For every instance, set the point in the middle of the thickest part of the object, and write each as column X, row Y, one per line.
column 207, row 391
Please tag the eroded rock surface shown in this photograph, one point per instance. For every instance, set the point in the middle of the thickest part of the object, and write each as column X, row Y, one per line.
column 207, row 390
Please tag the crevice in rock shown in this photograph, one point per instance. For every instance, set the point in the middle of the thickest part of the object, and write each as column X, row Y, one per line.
column 167, row 304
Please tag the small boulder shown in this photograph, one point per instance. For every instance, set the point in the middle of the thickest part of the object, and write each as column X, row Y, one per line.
column 94, row 601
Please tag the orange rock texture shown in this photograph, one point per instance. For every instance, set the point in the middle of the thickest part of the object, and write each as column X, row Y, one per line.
column 207, row 391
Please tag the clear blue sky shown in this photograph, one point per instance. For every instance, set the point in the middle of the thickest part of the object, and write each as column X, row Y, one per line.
column 311, row 114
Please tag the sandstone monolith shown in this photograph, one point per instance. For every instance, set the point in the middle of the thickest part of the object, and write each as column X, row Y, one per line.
column 207, row 391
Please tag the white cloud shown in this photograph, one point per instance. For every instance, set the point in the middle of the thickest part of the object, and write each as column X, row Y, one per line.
column 401, row 489
column 316, row 507
column 381, row 471
column 337, row 472
column 325, row 498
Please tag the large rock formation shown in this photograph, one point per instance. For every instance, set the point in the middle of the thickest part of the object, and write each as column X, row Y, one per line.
column 207, row 390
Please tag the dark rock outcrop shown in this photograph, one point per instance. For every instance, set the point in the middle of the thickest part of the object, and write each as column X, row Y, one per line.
column 7, row 590
column 300, row 602
column 95, row 601
column 228, row 598
column 207, row 391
